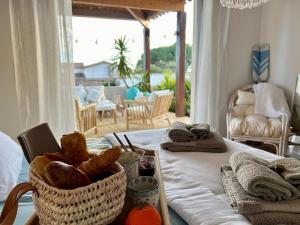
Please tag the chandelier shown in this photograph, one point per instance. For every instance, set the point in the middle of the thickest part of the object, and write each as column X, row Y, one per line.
column 242, row 4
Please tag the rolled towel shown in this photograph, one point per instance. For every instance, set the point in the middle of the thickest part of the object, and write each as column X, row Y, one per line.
column 213, row 144
column 288, row 168
column 200, row 130
column 178, row 132
column 243, row 203
column 238, row 159
column 260, row 181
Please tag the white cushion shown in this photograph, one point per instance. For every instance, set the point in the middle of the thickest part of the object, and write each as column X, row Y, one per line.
column 10, row 164
column 80, row 94
column 245, row 98
column 256, row 126
column 95, row 93
column 154, row 94
column 243, row 110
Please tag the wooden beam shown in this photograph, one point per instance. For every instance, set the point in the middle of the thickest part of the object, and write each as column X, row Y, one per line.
column 180, row 64
column 156, row 5
column 139, row 16
column 99, row 13
column 147, row 56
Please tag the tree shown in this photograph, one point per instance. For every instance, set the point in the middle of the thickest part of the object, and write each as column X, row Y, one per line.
column 164, row 58
column 120, row 60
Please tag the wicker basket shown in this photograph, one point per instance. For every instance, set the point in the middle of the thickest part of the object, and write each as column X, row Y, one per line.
column 98, row 203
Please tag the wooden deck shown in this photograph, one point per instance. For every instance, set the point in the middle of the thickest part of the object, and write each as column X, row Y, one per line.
column 107, row 125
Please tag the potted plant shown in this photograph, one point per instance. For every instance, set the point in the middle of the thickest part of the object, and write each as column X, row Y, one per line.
column 120, row 61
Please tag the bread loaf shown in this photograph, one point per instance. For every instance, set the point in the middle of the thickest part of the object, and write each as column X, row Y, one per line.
column 100, row 162
column 64, row 176
column 74, row 148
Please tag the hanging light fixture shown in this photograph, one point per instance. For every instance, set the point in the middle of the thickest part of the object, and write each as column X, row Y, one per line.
column 242, row 4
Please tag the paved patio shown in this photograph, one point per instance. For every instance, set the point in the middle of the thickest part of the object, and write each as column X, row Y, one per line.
column 107, row 125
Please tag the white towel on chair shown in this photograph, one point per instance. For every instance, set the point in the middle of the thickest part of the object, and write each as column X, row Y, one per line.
column 270, row 101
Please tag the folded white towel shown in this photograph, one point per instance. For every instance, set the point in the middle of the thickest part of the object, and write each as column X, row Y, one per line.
column 270, row 101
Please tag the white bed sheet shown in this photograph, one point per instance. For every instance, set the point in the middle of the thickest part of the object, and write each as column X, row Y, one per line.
column 193, row 182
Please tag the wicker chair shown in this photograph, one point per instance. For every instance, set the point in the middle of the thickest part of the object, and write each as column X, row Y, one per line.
column 280, row 143
column 140, row 112
column 86, row 117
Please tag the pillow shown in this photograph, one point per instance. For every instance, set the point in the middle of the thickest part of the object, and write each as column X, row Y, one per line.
column 80, row 94
column 132, row 93
column 153, row 94
column 10, row 164
column 95, row 94
column 245, row 98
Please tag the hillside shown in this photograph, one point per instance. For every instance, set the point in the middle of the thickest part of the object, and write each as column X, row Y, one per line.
column 163, row 58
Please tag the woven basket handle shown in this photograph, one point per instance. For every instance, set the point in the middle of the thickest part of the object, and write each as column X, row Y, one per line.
column 10, row 208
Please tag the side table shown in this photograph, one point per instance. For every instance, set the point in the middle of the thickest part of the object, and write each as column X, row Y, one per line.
column 107, row 105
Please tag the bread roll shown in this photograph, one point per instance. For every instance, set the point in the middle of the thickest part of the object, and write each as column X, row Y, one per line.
column 64, row 176
column 101, row 162
column 74, row 148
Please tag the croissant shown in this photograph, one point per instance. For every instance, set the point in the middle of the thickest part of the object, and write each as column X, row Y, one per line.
column 74, row 148
column 100, row 162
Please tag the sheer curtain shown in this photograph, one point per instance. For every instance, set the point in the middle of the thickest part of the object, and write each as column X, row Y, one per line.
column 42, row 51
column 209, row 64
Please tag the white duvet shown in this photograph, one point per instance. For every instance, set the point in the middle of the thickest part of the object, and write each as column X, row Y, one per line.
column 193, row 182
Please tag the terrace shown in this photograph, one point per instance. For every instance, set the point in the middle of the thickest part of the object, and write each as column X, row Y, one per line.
column 107, row 120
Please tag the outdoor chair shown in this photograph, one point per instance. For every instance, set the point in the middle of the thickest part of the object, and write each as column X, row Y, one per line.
column 86, row 117
column 144, row 113
column 120, row 107
column 244, row 125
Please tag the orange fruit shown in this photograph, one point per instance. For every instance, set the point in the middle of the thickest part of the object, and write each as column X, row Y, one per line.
column 143, row 215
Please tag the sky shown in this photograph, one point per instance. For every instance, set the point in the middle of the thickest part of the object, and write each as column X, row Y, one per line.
column 93, row 38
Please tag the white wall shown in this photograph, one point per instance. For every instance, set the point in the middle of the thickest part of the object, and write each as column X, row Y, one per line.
column 276, row 22
column 243, row 34
column 9, row 117
column 98, row 71
column 280, row 26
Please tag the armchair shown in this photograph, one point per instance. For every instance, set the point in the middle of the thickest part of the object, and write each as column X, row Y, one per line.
column 141, row 112
column 244, row 125
column 86, row 117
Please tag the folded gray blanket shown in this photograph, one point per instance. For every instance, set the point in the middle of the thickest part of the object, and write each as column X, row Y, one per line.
column 214, row 144
column 274, row 218
column 288, row 168
column 202, row 131
column 258, row 211
column 178, row 132
column 260, row 181
column 244, row 203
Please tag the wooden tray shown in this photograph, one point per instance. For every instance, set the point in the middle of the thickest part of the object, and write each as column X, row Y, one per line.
column 34, row 220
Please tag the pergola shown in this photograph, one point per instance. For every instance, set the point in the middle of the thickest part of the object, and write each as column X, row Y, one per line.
column 143, row 11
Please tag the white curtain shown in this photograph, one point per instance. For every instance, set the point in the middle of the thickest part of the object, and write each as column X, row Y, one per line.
column 209, row 64
column 42, row 51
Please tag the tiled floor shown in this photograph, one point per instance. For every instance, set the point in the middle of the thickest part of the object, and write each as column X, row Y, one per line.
column 107, row 125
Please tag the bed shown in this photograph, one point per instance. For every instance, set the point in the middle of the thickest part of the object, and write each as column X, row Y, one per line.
column 193, row 183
